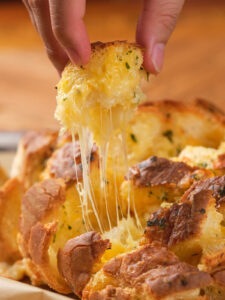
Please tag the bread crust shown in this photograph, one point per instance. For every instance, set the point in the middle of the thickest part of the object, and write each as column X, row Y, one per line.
column 62, row 165
column 10, row 198
column 179, row 222
column 39, row 201
column 200, row 107
column 215, row 184
column 159, row 171
column 86, row 248
column 152, row 272
column 34, row 148
column 39, row 242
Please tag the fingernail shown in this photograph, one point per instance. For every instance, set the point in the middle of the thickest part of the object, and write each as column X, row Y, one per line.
column 158, row 56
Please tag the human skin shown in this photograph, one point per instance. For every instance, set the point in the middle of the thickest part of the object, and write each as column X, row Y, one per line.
column 62, row 29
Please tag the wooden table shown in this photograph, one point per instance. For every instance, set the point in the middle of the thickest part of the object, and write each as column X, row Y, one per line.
column 194, row 63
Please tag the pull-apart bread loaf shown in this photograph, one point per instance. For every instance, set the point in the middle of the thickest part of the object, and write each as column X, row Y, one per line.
column 128, row 202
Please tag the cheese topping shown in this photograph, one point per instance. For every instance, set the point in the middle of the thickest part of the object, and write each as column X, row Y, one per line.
column 96, row 101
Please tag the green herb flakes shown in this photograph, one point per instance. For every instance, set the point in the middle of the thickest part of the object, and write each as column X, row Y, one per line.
column 133, row 137
column 169, row 135
column 127, row 65
column 54, row 238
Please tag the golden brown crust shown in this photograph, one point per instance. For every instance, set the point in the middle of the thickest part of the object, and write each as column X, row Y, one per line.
column 3, row 176
column 216, row 185
column 219, row 277
column 179, row 222
column 153, row 272
column 158, row 171
column 198, row 106
column 220, row 162
column 40, row 239
column 77, row 258
column 34, row 148
column 10, row 209
column 62, row 165
column 39, row 201
column 101, row 45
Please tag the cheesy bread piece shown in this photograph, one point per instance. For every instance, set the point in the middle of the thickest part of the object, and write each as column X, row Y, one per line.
column 193, row 229
column 10, row 208
column 148, row 273
column 101, row 95
column 66, row 163
column 157, row 181
column 33, row 150
column 165, row 128
column 208, row 158
column 50, row 216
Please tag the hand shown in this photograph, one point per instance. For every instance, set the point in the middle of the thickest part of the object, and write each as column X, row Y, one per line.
column 60, row 24
column 155, row 26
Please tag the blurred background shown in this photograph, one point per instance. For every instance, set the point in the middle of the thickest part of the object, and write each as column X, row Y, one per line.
column 194, row 63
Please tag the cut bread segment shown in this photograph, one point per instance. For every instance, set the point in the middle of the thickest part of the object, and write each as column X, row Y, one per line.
column 164, row 128
column 88, row 248
column 11, row 194
column 157, row 181
column 192, row 229
column 33, row 150
column 101, row 95
column 147, row 273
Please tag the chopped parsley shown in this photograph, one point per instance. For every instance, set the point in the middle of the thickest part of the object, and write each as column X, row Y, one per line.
column 128, row 52
column 92, row 156
column 147, row 76
column 150, row 193
column 54, row 238
column 56, row 87
column 164, row 196
column 203, row 165
column 169, row 135
column 202, row 211
column 222, row 192
column 184, row 282
column 127, row 65
column 157, row 222
column 133, row 137
column 64, row 99
column 69, row 227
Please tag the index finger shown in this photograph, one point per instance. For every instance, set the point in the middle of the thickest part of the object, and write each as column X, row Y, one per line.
column 69, row 28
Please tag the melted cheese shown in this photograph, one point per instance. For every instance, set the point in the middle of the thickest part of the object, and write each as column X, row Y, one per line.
column 96, row 102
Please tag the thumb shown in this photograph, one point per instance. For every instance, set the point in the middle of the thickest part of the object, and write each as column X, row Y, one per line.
column 155, row 26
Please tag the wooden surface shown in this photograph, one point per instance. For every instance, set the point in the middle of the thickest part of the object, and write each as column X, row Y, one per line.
column 194, row 64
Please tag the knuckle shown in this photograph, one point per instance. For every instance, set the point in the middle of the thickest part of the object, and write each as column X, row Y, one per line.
column 52, row 54
column 61, row 35
column 34, row 4
column 168, row 20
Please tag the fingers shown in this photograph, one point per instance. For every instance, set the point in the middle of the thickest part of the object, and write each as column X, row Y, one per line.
column 60, row 24
column 69, row 29
column 40, row 16
column 155, row 26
